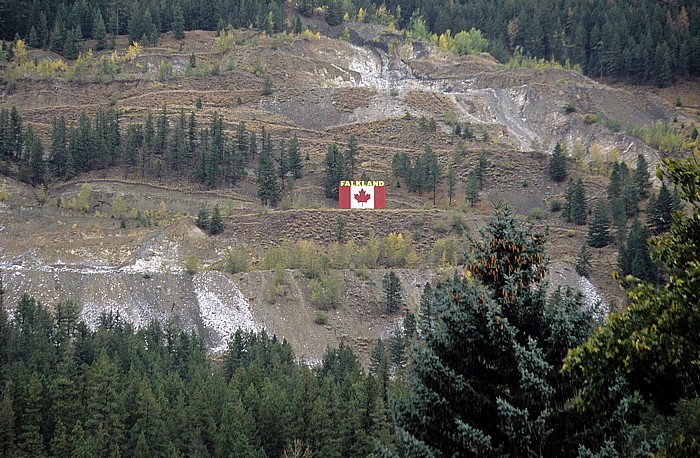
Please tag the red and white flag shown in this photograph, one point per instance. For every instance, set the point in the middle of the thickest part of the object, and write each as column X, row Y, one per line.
column 362, row 194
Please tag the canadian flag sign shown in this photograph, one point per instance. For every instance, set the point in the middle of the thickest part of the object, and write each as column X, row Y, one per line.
column 362, row 194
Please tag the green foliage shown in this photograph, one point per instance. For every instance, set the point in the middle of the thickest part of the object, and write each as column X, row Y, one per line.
column 583, row 261
column 320, row 317
column 326, row 290
column 662, row 137
column 575, row 202
column 557, row 164
column 472, row 42
column 599, row 230
column 192, row 265
column 651, row 344
column 237, row 260
column 482, row 381
column 202, row 220
column 392, row 290
column 216, row 222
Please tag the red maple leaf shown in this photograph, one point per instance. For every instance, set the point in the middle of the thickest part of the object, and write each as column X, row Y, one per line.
column 362, row 196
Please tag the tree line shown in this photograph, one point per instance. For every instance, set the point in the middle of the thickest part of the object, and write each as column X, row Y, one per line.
column 646, row 42
column 161, row 144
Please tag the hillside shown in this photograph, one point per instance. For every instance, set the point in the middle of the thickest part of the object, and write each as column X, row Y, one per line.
column 323, row 91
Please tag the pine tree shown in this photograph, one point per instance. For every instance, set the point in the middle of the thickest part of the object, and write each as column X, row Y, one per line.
column 633, row 258
column 99, row 30
column 268, row 188
column 575, row 203
column 178, row 26
column 216, row 223
column 642, row 177
column 661, row 212
column 451, row 183
column 392, row 290
column 583, row 261
column 334, row 171
column 472, row 194
column 426, row 313
column 202, row 220
column 599, row 230
column 294, row 158
column 557, row 164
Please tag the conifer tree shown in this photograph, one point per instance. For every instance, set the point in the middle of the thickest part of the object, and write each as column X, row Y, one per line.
column 99, row 30
column 334, row 171
column 178, row 25
column 575, row 203
column 294, row 157
column 557, row 164
column 451, row 183
column 661, row 214
column 642, row 177
column 583, row 261
column 392, row 290
column 599, row 230
column 268, row 188
column 216, row 222
column 485, row 383
column 202, row 220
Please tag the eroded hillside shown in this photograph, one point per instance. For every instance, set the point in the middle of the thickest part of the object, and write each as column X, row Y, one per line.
column 323, row 91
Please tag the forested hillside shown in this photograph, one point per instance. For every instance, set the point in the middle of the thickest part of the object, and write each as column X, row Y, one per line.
column 644, row 41
column 478, row 372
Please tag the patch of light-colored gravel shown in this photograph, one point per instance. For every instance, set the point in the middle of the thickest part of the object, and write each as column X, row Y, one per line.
column 222, row 308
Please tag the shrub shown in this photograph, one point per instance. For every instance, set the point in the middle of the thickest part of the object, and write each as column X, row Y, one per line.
column 555, row 205
column 192, row 265
column 570, row 107
column 394, row 92
column 327, row 290
column 320, row 317
column 590, row 118
column 236, row 260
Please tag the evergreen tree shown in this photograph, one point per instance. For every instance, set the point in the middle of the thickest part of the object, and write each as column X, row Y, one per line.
column 202, row 220
column 294, row 158
column 642, row 177
column 583, row 261
column 216, row 223
column 99, row 30
column 575, row 203
column 451, row 183
column 178, row 26
column 32, row 166
column 557, row 164
column 392, row 290
column 334, row 171
column 351, row 155
column 599, row 230
column 661, row 214
column 268, row 189
column 485, row 382
column 426, row 312
column 633, row 258
column 472, row 194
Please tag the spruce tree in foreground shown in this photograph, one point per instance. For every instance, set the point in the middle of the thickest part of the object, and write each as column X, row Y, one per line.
column 485, row 380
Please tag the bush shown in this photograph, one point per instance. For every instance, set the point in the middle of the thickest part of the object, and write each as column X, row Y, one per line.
column 327, row 290
column 192, row 265
column 393, row 92
column 236, row 260
column 590, row 118
column 570, row 107
column 555, row 205
column 320, row 317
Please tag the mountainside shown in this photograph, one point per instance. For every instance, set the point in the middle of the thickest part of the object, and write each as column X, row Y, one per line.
column 150, row 261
